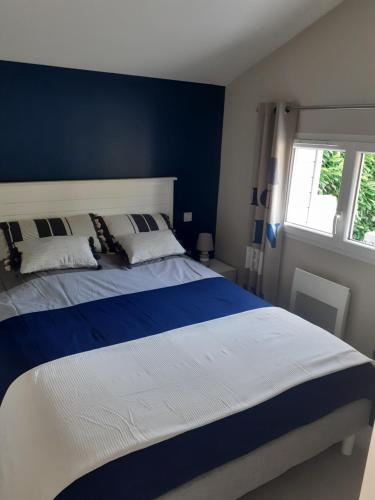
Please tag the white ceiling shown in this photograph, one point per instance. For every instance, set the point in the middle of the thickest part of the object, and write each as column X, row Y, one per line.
column 210, row 41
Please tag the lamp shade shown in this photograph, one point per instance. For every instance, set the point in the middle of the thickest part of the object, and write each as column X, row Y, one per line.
column 205, row 242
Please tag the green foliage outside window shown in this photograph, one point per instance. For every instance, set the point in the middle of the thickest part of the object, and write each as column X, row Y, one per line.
column 330, row 183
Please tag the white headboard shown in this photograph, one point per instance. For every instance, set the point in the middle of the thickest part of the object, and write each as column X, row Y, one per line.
column 28, row 200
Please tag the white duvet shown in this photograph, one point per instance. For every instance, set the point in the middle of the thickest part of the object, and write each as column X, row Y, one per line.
column 67, row 417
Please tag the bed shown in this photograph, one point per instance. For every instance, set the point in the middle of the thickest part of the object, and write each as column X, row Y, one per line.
column 164, row 380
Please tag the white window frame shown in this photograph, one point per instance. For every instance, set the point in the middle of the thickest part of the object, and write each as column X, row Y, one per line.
column 338, row 242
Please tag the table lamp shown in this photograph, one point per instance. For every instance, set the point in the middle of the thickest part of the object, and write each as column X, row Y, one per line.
column 205, row 244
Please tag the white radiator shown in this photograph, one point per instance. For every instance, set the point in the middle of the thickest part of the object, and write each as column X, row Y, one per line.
column 320, row 301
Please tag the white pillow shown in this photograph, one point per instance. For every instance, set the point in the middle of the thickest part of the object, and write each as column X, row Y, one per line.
column 57, row 252
column 142, row 247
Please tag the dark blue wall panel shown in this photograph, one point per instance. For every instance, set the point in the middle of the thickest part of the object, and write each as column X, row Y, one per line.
column 58, row 123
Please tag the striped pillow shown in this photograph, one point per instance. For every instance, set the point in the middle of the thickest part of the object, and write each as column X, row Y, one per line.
column 17, row 232
column 117, row 225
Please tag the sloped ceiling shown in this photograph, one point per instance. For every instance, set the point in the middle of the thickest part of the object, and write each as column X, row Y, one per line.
column 209, row 41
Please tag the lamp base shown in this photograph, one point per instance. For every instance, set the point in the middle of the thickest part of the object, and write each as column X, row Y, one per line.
column 204, row 259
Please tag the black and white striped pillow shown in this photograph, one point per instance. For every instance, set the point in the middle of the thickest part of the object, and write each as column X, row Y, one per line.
column 17, row 232
column 117, row 225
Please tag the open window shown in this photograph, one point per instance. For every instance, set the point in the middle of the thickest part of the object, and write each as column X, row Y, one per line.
column 315, row 187
column 331, row 196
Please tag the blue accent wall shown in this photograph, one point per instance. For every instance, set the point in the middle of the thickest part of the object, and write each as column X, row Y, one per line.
column 58, row 123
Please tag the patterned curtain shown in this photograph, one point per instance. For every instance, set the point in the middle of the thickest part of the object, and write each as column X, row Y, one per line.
column 276, row 129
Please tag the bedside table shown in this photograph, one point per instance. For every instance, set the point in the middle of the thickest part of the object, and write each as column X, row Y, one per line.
column 228, row 272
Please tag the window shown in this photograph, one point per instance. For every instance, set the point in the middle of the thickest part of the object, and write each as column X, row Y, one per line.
column 363, row 221
column 331, row 196
column 315, row 187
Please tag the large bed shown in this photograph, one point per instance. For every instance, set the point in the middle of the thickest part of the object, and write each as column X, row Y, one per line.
column 164, row 380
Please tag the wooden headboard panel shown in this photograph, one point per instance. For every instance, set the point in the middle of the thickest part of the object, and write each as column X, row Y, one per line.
column 28, row 200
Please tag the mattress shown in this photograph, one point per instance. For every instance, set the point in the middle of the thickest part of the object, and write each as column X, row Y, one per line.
column 162, row 372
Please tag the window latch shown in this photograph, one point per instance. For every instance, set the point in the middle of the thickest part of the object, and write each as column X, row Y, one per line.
column 336, row 220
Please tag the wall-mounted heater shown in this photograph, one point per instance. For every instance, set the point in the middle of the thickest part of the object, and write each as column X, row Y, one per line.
column 320, row 301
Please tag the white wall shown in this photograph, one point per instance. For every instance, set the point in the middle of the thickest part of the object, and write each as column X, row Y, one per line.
column 331, row 62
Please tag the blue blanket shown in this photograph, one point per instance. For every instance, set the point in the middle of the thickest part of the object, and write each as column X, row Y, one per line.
column 31, row 339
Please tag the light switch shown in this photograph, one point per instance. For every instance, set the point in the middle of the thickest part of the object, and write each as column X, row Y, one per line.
column 188, row 216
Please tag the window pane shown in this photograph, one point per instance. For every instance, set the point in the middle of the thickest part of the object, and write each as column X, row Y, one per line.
column 363, row 227
column 315, row 187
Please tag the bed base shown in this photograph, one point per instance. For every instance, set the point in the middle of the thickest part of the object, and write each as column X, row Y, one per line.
column 238, row 477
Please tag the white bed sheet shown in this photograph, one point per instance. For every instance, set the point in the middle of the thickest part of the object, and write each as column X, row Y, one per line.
column 66, row 289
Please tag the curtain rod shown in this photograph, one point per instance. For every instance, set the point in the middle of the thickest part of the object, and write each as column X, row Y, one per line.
column 333, row 106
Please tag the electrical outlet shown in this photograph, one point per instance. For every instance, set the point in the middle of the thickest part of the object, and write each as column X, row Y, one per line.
column 188, row 216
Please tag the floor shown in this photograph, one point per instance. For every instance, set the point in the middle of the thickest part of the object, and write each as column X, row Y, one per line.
column 329, row 476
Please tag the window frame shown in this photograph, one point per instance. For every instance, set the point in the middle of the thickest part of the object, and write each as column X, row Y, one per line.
column 339, row 241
